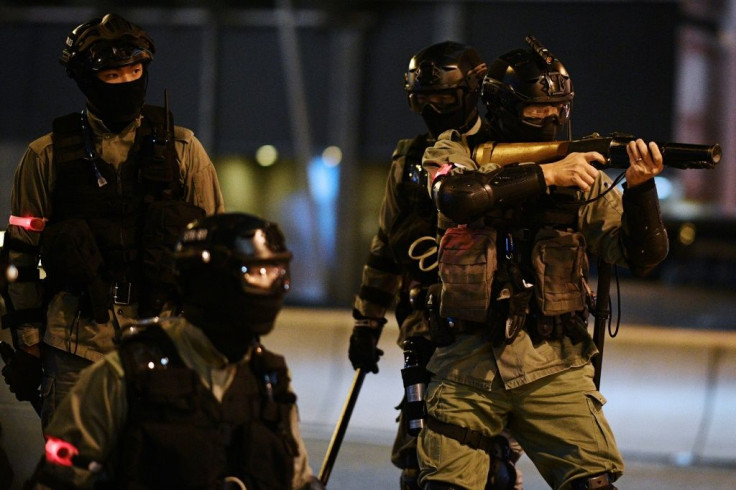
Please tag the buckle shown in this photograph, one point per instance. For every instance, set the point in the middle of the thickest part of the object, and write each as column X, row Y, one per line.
column 122, row 292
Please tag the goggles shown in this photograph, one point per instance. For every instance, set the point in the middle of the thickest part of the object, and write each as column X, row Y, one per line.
column 442, row 101
column 265, row 278
column 537, row 114
column 103, row 56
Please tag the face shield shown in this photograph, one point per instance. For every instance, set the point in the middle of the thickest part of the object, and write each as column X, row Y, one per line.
column 441, row 101
column 265, row 279
column 538, row 115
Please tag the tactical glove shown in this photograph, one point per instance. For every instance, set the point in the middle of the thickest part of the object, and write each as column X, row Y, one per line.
column 363, row 351
column 22, row 373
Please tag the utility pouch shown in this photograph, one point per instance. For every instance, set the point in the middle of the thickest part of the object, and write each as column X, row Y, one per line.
column 561, row 266
column 441, row 330
column 467, row 263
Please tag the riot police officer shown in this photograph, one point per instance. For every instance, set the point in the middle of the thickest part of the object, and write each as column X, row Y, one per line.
column 194, row 401
column 101, row 199
column 442, row 84
column 514, row 303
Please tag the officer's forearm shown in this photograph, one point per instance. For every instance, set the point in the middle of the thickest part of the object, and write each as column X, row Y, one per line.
column 645, row 237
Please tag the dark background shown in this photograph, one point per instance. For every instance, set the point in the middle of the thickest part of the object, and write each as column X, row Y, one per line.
column 240, row 79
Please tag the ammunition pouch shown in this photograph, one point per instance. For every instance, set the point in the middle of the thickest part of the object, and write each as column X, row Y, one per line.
column 72, row 262
column 560, row 264
column 467, row 263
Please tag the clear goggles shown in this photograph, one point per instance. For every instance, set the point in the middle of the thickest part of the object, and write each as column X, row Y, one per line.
column 265, row 278
column 442, row 101
column 537, row 114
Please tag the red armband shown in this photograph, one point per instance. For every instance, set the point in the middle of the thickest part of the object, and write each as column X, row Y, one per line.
column 29, row 223
column 444, row 170
column 60, row 452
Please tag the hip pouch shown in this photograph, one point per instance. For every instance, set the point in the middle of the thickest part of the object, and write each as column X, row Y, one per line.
column 560, row 266
column 467, row 263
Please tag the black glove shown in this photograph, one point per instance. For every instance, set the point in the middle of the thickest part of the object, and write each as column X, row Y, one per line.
column 22, row 373
column 363, row 351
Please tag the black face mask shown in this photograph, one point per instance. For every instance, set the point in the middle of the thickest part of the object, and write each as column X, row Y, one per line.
column 438, row 123
column 117, row 104
column 232, row 327
column 510, row 128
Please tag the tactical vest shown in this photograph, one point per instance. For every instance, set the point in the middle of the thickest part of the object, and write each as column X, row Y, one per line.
column 177, row 435
column 131, row 213
column 417, row 217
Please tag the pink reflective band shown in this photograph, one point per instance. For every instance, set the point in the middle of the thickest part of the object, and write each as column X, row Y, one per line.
column 444, row 169
column 29, row 224
column 60, row 452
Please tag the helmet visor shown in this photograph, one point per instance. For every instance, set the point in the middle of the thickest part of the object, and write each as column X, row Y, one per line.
column 537, row 114
column 104, row 55
column 442, row 101
column 265, row 278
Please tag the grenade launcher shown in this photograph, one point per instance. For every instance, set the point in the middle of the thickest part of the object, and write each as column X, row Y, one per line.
column 613, row 148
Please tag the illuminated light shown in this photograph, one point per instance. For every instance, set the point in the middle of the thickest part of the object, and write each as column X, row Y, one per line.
column 151, row 365
column 11, row 273
column 332, row 156
column 686, row 234
column 206, row 256
column 164, row 361
column 665, row 188
column 28, row 223
column 266, row 155
column 323, row 180
column 60, row 452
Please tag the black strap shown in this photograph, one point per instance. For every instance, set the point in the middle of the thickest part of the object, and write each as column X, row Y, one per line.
column 17, row 245
column 468, row 437
column 383, row 264
column 377, row 296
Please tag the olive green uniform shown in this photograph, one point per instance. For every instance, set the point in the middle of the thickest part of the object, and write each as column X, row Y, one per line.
column 542, row 389
column 35, row 178
column 95, row 411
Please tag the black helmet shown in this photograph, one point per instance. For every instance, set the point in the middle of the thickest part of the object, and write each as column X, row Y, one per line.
column 443, row 83
column 103, row 43
column 523, row 80
column 232, row 271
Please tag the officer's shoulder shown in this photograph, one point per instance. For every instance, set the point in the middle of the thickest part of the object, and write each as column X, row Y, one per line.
column 40, row 145
column 145, row 346
column 273, row 359
column 404, row 145
column 183, row 134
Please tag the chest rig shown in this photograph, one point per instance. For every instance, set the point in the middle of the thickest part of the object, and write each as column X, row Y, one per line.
column 178, row 435
column 542, row 268
column 119, row 217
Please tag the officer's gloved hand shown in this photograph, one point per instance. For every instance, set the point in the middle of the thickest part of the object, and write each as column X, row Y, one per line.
column 22, row 373
column 363, row 351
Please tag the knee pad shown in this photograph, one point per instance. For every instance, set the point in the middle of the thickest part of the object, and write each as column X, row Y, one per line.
column 601, row 481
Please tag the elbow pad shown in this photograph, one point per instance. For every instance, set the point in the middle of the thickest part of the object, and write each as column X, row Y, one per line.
column 466, row 196
column 645, row 237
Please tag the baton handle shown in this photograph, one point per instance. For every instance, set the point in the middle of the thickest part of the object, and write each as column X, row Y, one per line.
column 341, row 428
